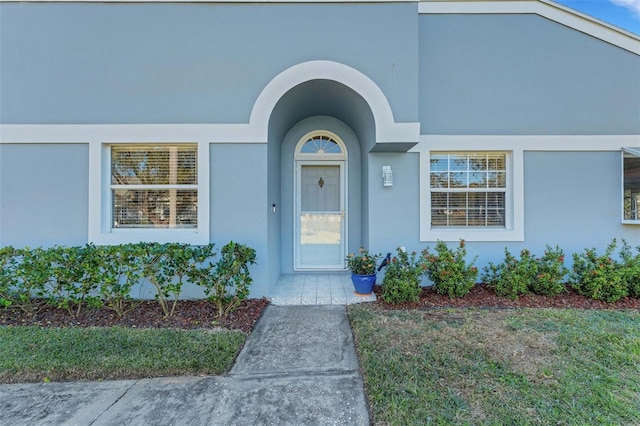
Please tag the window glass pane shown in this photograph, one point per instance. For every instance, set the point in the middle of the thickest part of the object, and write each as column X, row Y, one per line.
column 477, row 199
column 439, row 162
column 495, row 217
column 478, row 162
column 167, row 204
column 154, row 208
column 458, row 180
column 457, row 218
column 439, row 180
column 438, row 217
column 631, row 187
column 458, row 200
column 497, row 161
column 497, row 179
column 477, row 180
column 439, row 200
column 458, row 162
column 153, row 165
column 320, row 145
column 473, row 173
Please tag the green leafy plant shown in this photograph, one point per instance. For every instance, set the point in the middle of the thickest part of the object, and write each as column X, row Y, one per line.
column 166, row 267
column 8, row 277
column 121, row 270
column 630, row 268
column 363, row 262
column 542, row 275
column 551, row 272
column 449, row 270
column 401, row 281
column 32, row 273
column 225, row 283
column 64, row 290
column 513, row 276
column 598, row 276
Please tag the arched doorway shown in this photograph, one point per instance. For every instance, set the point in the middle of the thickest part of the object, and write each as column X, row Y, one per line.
column 320, row 186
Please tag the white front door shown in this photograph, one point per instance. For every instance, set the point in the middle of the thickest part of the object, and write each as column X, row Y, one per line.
column 320, row 215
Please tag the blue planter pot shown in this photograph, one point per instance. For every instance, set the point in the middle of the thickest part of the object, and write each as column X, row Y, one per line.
column 363, row 283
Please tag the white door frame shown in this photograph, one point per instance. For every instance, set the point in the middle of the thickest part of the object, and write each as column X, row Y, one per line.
column 319, row 159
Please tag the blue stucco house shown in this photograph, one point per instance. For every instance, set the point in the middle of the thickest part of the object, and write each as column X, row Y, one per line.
column 307, row 129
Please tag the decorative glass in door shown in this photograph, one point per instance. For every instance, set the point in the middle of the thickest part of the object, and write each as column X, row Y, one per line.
column 321, row 217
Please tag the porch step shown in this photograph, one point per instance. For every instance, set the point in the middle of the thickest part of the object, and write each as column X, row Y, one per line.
column 316, row 288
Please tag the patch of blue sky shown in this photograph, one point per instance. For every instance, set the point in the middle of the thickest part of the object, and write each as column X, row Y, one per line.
column 623, row 14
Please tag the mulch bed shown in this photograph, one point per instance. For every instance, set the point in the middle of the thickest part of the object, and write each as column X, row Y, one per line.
column 189, row 314
column 194, row 314
column 482, row 296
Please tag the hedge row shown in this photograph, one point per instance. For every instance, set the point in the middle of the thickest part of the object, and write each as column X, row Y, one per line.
column 74, row 277
column 597, row 276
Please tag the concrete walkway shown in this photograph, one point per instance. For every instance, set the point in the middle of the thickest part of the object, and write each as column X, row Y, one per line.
column 299, row 367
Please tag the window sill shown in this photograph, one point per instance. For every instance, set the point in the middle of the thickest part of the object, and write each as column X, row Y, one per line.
column 124, row 236
column 485, row 234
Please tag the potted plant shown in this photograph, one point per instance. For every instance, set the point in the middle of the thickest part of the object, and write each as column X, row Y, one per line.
column 363, row 270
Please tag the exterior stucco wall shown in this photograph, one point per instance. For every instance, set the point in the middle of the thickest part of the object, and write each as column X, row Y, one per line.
column 394, row 211
column 189, row 62
column 43, row 194
column 239, row 203
column 523, row 74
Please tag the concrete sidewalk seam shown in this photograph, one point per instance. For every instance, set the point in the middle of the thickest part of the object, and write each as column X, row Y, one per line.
column 126, row 391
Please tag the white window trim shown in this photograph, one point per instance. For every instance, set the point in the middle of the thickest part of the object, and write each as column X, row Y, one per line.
column 514, row 197
column 514, row 203
column 100, row 230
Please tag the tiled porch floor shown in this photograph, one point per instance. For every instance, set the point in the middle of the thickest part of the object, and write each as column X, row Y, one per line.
column 316, row 289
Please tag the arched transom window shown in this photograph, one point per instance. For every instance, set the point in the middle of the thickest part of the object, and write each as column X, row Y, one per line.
column 321, row 144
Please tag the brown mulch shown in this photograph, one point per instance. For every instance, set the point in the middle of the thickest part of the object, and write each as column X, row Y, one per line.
column 482, row 296
column 189, row 314
column 192, row 314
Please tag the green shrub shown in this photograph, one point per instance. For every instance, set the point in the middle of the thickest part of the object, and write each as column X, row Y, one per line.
column 630, row 269
column 448, row 269
column 549, row 280
column 72, row 277
column 8, row 277
column 166, row 267
column 513, row 276
column 65, row 290
column 226, row 283
column 32, row 274
column 120, row 270
column 598, row 277
column 401, row 281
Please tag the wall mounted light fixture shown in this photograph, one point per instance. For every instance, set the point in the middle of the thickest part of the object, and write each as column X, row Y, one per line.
column 387, row 176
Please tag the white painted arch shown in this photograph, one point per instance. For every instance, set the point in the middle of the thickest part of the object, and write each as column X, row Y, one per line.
column 387, row 130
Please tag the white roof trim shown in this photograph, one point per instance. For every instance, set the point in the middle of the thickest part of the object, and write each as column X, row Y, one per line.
column 632, row 151
column 545, row 8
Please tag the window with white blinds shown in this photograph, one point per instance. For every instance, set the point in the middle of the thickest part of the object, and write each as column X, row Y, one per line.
column 154, row 186
column 468, row 189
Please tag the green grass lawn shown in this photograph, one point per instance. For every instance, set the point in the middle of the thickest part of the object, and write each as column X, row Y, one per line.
column 486, row 366
column 32, row 354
